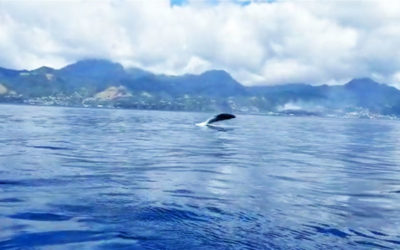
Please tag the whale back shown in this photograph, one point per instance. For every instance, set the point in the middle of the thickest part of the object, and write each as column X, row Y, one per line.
column 220, row 117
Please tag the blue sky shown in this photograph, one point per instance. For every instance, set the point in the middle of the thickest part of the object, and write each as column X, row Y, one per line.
column 183, row 2
column 178, row 2
column 258, row 42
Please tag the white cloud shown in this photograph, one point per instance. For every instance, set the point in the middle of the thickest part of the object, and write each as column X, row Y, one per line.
column 259, row 43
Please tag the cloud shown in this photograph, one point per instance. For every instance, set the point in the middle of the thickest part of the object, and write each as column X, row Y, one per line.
column 258, row 42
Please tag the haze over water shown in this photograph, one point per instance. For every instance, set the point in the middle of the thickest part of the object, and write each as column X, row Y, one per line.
column 130, row 179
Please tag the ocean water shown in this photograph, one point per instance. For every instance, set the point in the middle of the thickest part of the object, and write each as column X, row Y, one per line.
column 128, row 179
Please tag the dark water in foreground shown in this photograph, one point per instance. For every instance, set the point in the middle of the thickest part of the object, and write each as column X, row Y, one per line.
column 127, row 179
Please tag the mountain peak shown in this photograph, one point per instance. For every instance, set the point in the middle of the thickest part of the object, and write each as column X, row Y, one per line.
column 361, row 83
column 217, row 73
column 91, row 63
column 218, row 76
column 93, row 67
column 44, row 69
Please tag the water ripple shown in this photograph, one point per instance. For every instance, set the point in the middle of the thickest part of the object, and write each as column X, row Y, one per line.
column 128, row 179
column 40, row 216
column 51, row 238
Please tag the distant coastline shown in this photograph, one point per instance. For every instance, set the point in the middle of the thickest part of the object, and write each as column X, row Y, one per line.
column 104, row 84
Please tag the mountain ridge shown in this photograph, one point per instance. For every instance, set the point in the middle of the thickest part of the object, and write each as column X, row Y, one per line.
column 80, row 83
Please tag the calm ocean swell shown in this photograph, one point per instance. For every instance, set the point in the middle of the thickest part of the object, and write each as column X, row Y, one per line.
column 128, row 179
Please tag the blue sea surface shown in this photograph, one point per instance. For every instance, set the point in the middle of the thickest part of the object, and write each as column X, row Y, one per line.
column 75, row 178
